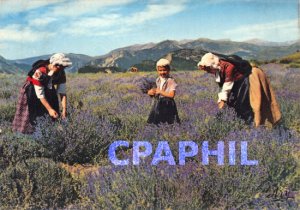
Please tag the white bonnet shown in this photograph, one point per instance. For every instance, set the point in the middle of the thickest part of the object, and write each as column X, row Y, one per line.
column 163, row 62
column 209, row 60
column 60, row 59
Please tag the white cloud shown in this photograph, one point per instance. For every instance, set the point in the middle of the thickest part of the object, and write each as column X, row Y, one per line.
column 156, row 11
column 245, row 1
column 82, row 17
column 94, row 25
column 15, row 6
column 3, row 46
column 42, row 21
column 104, row 21
column 18, row 33
column 113, row 23
column 273, row 31
column 81, row 7
column 116, row 32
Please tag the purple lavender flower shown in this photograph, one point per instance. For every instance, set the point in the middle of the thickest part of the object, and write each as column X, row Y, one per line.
column 145, row 84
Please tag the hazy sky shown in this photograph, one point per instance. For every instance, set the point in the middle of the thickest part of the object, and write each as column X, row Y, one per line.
column 94, row 27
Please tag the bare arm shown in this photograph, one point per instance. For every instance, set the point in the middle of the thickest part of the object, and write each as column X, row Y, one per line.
column 170, row 94
column 39, row 91
column 152, row 92
column 63, row 98
column 51, row 111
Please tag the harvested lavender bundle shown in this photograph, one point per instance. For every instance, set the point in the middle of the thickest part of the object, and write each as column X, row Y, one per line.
column 145, row 83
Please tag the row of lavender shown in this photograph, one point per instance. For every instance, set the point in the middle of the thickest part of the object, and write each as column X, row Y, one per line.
column 108, row 107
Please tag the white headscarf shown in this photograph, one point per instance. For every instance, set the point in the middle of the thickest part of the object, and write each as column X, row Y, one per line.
column 209, row 60
column 60, row 59
column 163, row 62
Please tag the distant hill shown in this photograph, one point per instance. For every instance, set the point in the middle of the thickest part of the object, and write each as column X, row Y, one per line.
column 261, row 42
column 93, row 69
column 9, row 67
column 78, row 61
column 136, row 55
column 185, row 55
column 124, row 58
column 185, row 59
column 145, row 65
column 31, row 60
column 292, row 60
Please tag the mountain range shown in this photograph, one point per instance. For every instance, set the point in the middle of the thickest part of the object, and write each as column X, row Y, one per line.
column 9, row 67
column 78, row 61
column 184, row 54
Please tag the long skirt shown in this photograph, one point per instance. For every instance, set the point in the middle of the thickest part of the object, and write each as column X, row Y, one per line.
column 239, row 99
column 29, row 107
column 164, row 110
column 253, row 99
column 262, row 99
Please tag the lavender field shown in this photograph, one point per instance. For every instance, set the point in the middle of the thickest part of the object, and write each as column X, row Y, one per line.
column 65, row 164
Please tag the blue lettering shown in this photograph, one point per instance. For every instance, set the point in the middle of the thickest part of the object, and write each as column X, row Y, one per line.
column 244, row 155
column 219, row 152
column 231, row 153
column 163, row 146
column 137, row 154
column 183, row 153
column 112, row 153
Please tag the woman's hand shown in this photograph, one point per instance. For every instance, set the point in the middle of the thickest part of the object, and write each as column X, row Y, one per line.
column 158, row 91
column 221, row 104
column 53, row 113
column 152, row 92
column 169, row 94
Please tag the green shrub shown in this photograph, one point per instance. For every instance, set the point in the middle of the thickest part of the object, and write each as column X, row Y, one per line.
column 5, row 93
column 290, row 114
column 285, row 60
column 7, row 112
column 36, row 184
column 16, row 148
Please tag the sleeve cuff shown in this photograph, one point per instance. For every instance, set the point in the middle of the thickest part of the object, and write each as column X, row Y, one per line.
column 222, row 97
column 39, row 91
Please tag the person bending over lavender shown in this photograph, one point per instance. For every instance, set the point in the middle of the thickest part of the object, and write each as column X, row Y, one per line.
column 247, row 90
column 38, row 96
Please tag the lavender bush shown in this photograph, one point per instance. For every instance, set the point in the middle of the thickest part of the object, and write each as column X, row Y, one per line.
column 194, row 186
column 105, row 108
column 145, row 83
column 82, row 138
